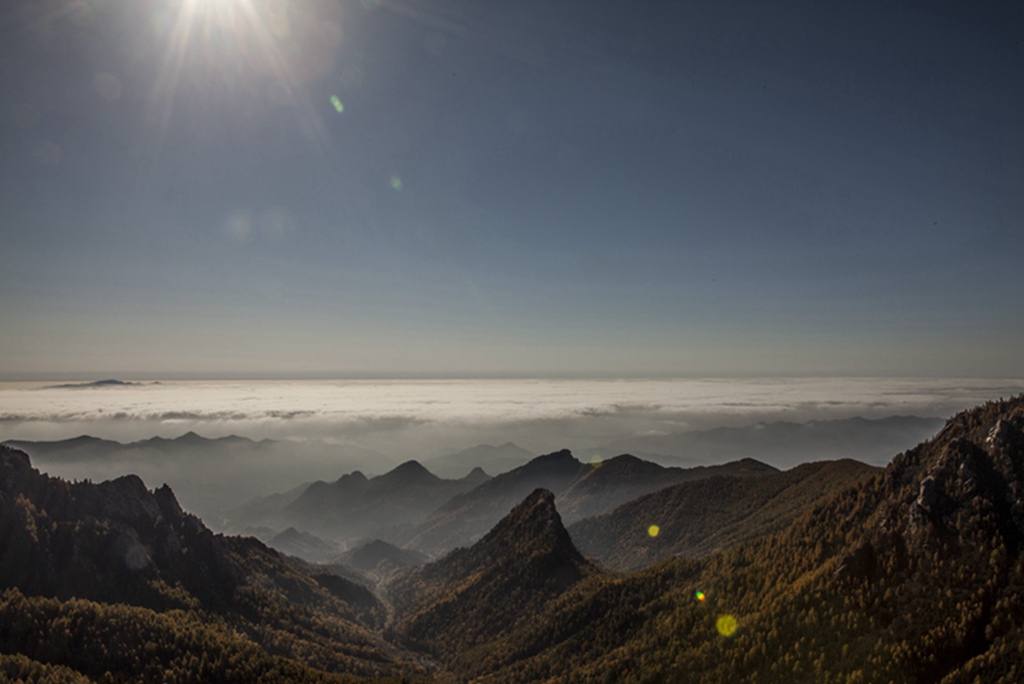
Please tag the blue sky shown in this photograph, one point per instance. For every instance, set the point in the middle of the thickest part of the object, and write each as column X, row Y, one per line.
column 511, row 188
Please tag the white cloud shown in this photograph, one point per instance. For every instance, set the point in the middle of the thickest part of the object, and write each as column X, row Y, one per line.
column 591, row 410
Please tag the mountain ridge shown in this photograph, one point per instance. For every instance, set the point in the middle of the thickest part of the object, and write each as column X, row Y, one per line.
column 135, row 547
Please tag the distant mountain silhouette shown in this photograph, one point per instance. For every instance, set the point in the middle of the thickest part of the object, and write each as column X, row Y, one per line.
column 582, row 489
column 355, row 507
column 96, row 383
column 784, row 444
column 210, row 476
column 472, row 595
column 493, row 459
column 304, row 545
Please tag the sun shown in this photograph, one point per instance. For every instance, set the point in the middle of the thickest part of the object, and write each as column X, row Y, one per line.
column 210, row 46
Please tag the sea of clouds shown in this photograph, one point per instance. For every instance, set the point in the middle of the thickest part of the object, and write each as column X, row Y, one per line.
column 325, row 429
column 420, row 418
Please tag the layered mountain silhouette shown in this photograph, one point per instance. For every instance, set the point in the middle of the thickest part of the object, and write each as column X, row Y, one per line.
column 493, row 459
column 209, row 475
column 782, row 443
column 583, row 489
column 355, row 507
column 304, row 545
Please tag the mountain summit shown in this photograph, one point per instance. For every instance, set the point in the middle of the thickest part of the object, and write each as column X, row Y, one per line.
column 475, row 595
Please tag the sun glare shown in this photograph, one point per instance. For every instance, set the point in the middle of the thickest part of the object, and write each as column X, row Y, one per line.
column 215, row 47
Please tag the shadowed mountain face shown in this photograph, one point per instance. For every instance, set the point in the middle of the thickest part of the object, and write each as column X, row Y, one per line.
column 209, row 476
column 711, row 514
column 472, row 595
column 912, row 575
column 582, row 489
column 118, row 543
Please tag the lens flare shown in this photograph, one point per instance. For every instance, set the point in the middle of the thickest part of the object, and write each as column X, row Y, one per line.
column 336, row 103
column 700, row 596
column 653, row 530
column 726, row 625
column 396, row 183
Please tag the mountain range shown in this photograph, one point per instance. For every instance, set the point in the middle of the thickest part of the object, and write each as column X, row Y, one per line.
column 783, row 444
column 911, row 574
column 209, row 475
column 115, row 556
column 354, row 507
column 582, row 489
column 833, row 571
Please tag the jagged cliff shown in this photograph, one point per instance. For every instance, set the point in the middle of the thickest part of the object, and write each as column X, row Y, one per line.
column 117, row 542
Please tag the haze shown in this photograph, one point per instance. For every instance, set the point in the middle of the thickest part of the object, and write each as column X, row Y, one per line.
column 417, row 419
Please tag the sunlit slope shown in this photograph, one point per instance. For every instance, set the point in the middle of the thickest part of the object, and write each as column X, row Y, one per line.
column 709, row 515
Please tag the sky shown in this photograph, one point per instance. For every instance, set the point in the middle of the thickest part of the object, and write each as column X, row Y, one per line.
column 365, row 188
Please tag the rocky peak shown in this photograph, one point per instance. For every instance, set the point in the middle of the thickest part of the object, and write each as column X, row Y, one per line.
column 535, row 525
column 168, row 503
column 14, row 458
column 964, row 485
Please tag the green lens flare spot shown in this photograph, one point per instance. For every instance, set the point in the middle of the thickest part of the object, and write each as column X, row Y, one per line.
column 336, row 103
column 653, row 531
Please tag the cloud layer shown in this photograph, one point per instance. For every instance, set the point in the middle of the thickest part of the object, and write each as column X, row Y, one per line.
column 413, row 416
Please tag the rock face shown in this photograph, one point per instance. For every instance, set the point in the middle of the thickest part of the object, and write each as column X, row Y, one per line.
column 118, row 542
column 473, row 595
column 942, row 534
column 965, row 486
